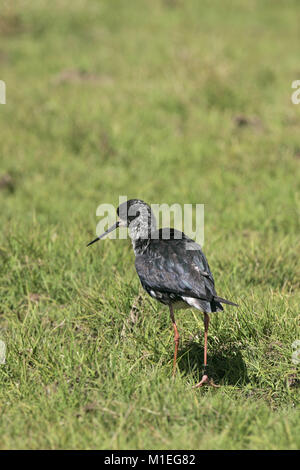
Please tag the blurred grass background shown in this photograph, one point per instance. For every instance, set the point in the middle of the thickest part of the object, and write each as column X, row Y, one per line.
column 168, row 101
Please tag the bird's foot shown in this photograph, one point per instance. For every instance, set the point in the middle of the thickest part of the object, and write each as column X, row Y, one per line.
column 206, row 381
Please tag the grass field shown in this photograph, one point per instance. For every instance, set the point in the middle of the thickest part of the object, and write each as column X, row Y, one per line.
column 167, row 101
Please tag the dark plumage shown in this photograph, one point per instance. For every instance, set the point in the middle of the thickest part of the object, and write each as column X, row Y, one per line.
column 167, row 275
column 172, row 268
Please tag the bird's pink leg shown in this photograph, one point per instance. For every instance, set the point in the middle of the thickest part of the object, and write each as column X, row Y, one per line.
column 205, row 380
column 176, row 338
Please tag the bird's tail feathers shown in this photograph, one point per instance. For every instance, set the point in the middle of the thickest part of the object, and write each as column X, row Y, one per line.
column 224, row 301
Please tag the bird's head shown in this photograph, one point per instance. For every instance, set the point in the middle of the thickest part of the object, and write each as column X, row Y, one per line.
column 137, row 216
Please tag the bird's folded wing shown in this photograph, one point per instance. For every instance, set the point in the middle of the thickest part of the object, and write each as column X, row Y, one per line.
column 169, row 267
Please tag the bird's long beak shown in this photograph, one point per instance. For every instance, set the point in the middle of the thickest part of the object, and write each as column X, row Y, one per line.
column 111, row 229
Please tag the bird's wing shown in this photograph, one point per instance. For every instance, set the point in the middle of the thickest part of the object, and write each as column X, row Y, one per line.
column 168, row 266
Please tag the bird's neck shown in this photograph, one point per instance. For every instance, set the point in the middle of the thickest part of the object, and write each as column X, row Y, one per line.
column 140, row 245
column 140, row 234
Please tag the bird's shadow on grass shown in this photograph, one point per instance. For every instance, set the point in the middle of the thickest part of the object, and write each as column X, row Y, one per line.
column 225, row 367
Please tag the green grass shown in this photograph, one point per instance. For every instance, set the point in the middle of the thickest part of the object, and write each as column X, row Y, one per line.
column 144, row 99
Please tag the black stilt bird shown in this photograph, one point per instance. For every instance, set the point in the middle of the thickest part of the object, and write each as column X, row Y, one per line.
column 172, row 268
